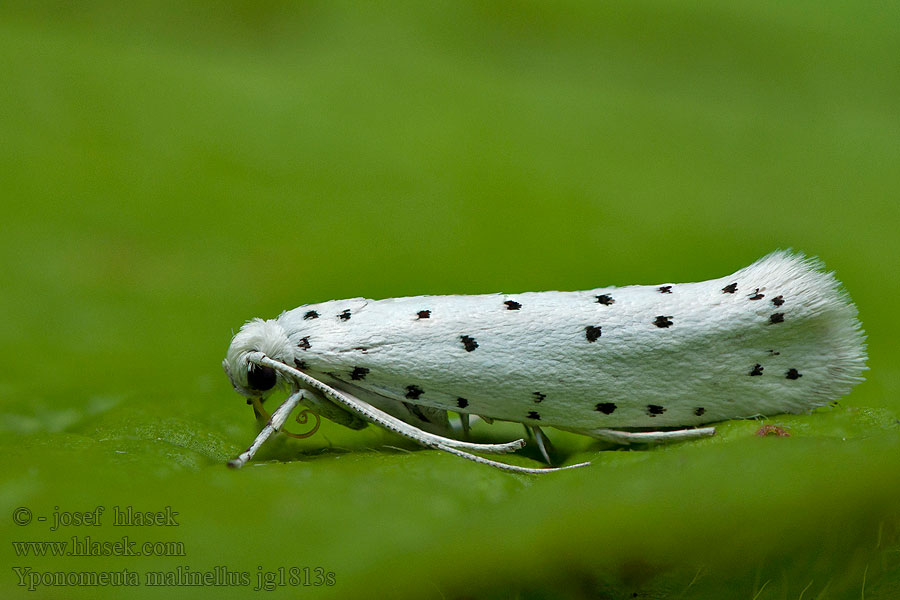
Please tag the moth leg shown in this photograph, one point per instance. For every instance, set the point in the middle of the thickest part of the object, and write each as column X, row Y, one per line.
column 427, row 417
column 471, row 420
column 504, row 466
column 376, row 416
column 331, row 411
column 543, row 443
column 464, row 423
column 649, row 437
column 275, row 423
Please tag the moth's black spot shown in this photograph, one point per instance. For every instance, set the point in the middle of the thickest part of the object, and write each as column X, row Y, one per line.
column 793, row 374
column 730, row 288
column 359, row 373
column 462, row 402
column 605, row 299
column 592, row 333
column 362, row 349
column 699, row 411
column 534, row 415
column 756, row 295
column 310, row 315
column 777, row 318
column 607, row 408
column 468, row 343
column 663, row 322
column 665, row 289
column 778, row 300
column 512, row 305
column 344, row 316
column 261, row 378
column 655, row 409
column 413, row 392
column 773, row 353
column 300, row 364
column 757, row 370
column 423, row 314
column 539, row 397
column 303, row 343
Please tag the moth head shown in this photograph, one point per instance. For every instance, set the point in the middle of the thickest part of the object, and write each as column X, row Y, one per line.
column 250, row 379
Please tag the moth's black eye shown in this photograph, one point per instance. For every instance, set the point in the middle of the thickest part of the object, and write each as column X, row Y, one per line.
column 261, row 378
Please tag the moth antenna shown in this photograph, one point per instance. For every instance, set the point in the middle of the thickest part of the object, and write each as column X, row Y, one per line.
column 506, row 467
column 379, row 417
column 616, row 436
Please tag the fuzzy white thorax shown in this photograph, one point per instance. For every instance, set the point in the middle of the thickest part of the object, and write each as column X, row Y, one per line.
column 257, row 335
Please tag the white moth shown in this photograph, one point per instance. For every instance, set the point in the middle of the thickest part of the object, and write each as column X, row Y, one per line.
column 643, row 363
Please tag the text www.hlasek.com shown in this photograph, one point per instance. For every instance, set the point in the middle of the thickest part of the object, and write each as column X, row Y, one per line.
column 85, row 546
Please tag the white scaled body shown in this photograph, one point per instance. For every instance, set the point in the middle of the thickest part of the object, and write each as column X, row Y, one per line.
column 776, row 337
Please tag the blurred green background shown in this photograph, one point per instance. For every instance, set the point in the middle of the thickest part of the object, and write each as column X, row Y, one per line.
column 171, row 169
